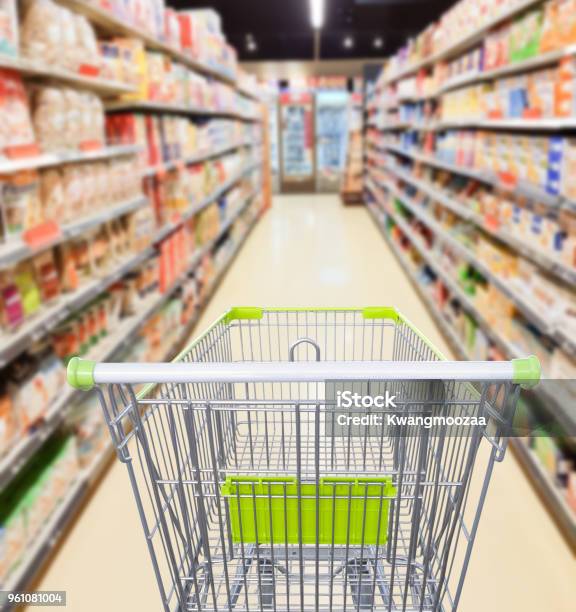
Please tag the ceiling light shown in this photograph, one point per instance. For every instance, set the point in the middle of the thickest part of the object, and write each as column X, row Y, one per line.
column 317, row 13
column 348, row 42
column 378, row 42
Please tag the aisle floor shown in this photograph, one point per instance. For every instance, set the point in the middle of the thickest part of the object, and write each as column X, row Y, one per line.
column 311, row 251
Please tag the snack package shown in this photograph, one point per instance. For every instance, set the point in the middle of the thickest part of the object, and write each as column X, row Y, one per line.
column 50, row 118
column 21, row 206
column 16, row 126
column 72, row 188
column 47, row 276
column 27, row 287
column 8, row 28
column 88, row 54
column 76, row 106
column 8, row 422
column 11, row 309
column 52, row 195
column 43, row 33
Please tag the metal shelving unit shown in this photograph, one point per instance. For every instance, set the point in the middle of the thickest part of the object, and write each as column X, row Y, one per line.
column 110, row 24
column 49, row 316
column 17, row 250
column 561, row 411
column 559, row 509
column 14, row 344
column 469, row 39
column 542, row 259
column 69, row 506
column 197, row 158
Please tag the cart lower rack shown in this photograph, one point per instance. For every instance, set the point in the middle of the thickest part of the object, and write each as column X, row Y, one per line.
column 297, row 459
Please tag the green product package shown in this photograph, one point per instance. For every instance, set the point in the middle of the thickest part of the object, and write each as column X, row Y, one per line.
column 29, row 292
column 351, row 510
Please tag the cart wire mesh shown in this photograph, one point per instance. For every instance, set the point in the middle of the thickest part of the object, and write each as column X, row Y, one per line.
column 251, row 499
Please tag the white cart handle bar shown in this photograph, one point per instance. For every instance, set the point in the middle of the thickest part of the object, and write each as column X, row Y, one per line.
column 84, row 374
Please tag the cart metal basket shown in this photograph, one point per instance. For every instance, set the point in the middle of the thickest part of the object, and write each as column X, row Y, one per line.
column 257, row 492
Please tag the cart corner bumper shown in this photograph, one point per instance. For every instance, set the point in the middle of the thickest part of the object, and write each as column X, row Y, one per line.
column 80, row 373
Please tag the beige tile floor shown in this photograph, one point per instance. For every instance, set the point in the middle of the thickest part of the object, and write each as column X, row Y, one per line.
column 309, row 250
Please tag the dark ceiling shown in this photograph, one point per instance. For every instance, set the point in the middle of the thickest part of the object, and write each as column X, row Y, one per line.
column 281, row 28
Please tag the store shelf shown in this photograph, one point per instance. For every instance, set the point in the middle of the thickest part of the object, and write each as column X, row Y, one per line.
column 23, row 451
column 534, row 125
column 542, row 259
column 13, row 344
column 18, row 456
column 48, row 318
column 72, row 502
column 179, row 109
column 10, row 166
column 170, row 227
column 523, row 189
column 544, row 59
column 503, row 285
column 178, row 346
column 467, row 41
column 555, row 403
column 454, row 341
column 551, row 496
column 248, row 94
column 464, row 80
column 97, row 85
column 16, row 250
column 110, row 24
column 200, row 157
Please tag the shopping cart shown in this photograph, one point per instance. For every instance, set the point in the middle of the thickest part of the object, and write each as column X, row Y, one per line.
column 256, row 493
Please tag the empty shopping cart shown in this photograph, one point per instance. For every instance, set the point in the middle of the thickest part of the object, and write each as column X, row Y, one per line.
column 295, row 459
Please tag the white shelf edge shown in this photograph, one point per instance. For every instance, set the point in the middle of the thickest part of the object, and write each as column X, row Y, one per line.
column 179, row 109
column 10, row 166
column 32, row 68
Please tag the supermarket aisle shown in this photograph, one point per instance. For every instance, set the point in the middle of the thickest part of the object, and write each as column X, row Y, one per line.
column 309, row 250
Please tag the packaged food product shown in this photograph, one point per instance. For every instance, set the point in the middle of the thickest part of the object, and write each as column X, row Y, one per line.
column 77, row 114
column 50, row 118
column 52, row 195
column 70, row 47
column 73, row 191
column 16, row 132
column 42, row 32
column 8, row 423
column 8, row 27
column 11, row 308
column 47, row 276
column 89, row 431
column 27, row 287
column 88, row 53
column 21, row 205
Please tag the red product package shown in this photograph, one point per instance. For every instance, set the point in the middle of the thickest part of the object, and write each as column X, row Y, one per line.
column 16, row 132
column 186, row 32
column 154, row 156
